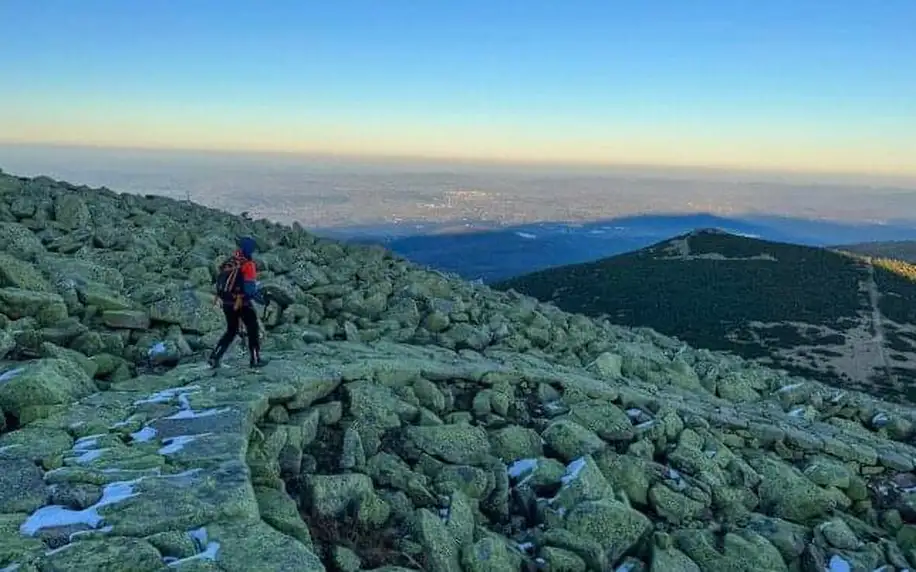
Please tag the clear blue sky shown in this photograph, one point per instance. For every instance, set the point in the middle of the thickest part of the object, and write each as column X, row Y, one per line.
column 819, row 85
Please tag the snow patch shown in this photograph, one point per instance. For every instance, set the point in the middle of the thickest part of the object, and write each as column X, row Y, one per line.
column 787, row 388
column 191, row 414
column 87, row 442
column 209, row 550
column 56, row 516
column 144, row 435
column 572, row 471
column 156, row 349
column 10, row 374
column 75, row 535
column 166, row 395
column 176, row 444
column 522, row 467
column 838, row 564
column 89, row 455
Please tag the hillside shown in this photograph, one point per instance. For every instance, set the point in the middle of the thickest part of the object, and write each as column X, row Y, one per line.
column 893, row 249
column 407, row 420
column 845, row 320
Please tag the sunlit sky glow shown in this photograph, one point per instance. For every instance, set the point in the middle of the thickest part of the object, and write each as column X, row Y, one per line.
column 778, row 84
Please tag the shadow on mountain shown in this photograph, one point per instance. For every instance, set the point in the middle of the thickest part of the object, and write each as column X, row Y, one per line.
column 488, row 252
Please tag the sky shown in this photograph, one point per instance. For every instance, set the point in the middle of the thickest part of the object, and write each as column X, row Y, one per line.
column 806, row 86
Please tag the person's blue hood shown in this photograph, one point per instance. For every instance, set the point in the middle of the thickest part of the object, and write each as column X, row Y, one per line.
column 247, row 246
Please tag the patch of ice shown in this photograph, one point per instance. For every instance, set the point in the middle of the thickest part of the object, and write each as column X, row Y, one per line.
column 175, row 444
column 522, row 467
column 646, row 424
column 191, row 414
column 10, row 374
column 797, row 412
column 55, row 515
column 526, row 546
column 572, row 471
column 880, row 420
column 838, row 564
column 838, row 397
column 634, row 413
column 626, row 567
column 144, row 435
column 527, row 235
column 710, row 454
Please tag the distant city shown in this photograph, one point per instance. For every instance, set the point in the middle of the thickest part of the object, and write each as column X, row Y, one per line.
column 323, row 193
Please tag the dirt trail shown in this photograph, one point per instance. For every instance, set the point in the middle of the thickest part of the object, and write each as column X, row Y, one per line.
column 877, row 320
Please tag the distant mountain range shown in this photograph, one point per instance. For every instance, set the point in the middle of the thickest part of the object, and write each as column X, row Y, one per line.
column 489, row 252
column 813, row 311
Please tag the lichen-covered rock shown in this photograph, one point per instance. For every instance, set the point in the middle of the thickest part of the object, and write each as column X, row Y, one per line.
column 29, row 391
column 45, row 307
column 14, row 273
column 126, row 319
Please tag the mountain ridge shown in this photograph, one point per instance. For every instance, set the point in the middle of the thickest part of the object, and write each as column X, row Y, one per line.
column 490, row 252
column 408, row 420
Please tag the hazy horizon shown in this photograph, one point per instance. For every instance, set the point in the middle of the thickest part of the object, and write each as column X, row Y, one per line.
column 336, row 192
column 725, row 85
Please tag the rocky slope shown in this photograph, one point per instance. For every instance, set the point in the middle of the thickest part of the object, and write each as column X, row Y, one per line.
column 843, row 319
column 407, row 420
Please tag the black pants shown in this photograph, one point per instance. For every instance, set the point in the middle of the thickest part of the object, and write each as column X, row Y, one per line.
column 247, row 316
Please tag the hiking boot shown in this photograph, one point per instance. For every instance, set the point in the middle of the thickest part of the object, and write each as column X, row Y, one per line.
column 216, row 356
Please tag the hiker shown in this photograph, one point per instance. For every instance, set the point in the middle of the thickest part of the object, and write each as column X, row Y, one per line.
column 236, row 288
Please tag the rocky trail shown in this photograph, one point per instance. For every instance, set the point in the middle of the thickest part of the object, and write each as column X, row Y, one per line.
column 407, row 420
